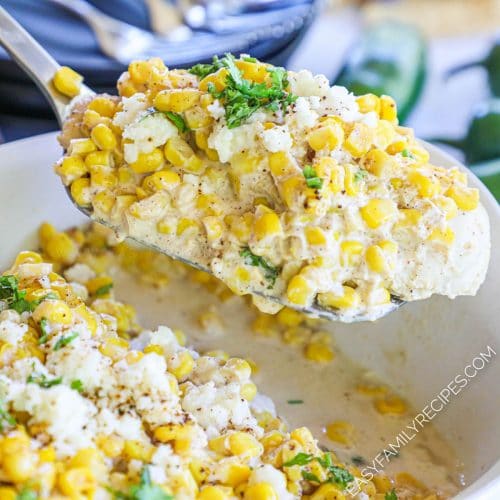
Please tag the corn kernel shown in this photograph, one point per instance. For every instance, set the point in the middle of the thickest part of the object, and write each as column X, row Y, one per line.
column 388, row 109
column 341, row 432
column 254, row 71
column 242, row 443
column 409, row 217
column 375, row 259
column 248, row 391
column 76, row 482
column 299, row 291
column 218, row 79
column 319, row 351
column 465, row 198
column 392, row 405
column 379, row 162
column 348, row 299
column 315, row 236
column 213, row 493
column 71, row 168
column 267, row 225
column 103, row 105
column 182, row 365
column 103, row 137
column 426, row 186
column 368, row 102
column 236, row 474
column 103, row 177
column 446, row 235
column 19, row 467
column 377, row 212
column 260, row 491
column 359, row 141
column 176, row 100
column 350, row 251
column 56, row 311
column 68, row 81
column 111, row 445
column 328, row 136
column 103, row 202
column 148, row 162
column 447, row 205
column 135, row 450
column 101, row 158
column 61, row 248
column 8, row 493
column 289, row 317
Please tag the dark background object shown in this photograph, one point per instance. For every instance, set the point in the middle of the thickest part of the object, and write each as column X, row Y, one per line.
column 23, row 110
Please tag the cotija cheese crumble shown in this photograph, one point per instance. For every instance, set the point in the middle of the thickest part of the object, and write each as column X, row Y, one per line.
column 278, row 183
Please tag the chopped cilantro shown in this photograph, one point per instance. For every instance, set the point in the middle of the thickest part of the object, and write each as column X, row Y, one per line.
column 43, row 381
column 5, row 417
column 312, row 179
column 177, row 120
column 309, row 476
column 27, row 494
column 145, row 490
column 241, row 97
column 360, row 175
column 249, row 59
column 299, row 459
column 64, row 341
column 357, row 460
column 203, row 70
column 408, row 154
column 336, row 475
column 15, row 298
column 270, row 272
column 77, row 385
column 45, row 334
column 295, row 401
column 391, row 495
column 103, row 290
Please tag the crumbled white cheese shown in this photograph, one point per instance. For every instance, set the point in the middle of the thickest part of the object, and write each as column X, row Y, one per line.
column 268, row 474
column 12, row 332
column 80, row 273
column 146, row 134
column 133, row 107
column 277, row 139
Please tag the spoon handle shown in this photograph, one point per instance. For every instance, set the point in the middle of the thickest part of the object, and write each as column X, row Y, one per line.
column 33, row 60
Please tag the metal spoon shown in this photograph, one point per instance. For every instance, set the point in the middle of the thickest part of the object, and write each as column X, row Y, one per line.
column 41, row 67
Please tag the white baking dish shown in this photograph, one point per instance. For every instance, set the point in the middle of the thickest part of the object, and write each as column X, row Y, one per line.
column 419, row 350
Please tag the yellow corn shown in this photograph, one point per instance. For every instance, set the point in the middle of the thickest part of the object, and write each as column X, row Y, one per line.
column 136, row 450
column 248, row 391
column 328, row 136
column 377, row 212
column 267, row 225
column 254, row 71
column 378, row 162
column 163, row 179
column 77, row 482
column 384, row 134
column 103, row 137
column 61, row 248
column 242, row 443
column 409, row 217
column 148, row 162
column 327, row 491
column 103, row 177
column 71, row 168
column 291, row 189
column 67, row 81
column 465, row 198
column 392, row 405
column 180, row 154
column 299, row 291
column 236, row 474
column 8, row 493
column 388, row 109
column 260, row 491
column 214, row 493
column 348, row 299
column 186, row 224
column 103, row 158
column 368, row 102
column 426, row 186
column 446, row 235
column 176, row 100
column 103, row 105
column 182, row 366
column 319, row 351
column 289, row 317
column 359, row 141
column 218, row 79
column 341, row 432
column 447, row 205
column 111, row 445
column 19, row 467
column 350, row 251
column 375, row 259
column 103, row 202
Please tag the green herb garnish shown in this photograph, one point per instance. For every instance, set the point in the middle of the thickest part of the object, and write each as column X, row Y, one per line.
column 15, row 298
column 45, row 334
column 270, row 272
column 391, row 495
column 103, row 290
column 249, row 59
column 300, row 459
column 203, row 70
column 77, row 385
column 312, row 179
column 309, row 476
column 64, row 341
column 241, row 97
column 177, row 120
column 336, row 475
column 360, row 175
column 145, row 490
column 5, row 417
column 27, row 494
column 295, row 401
column 43, row 381
column 408, row 154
